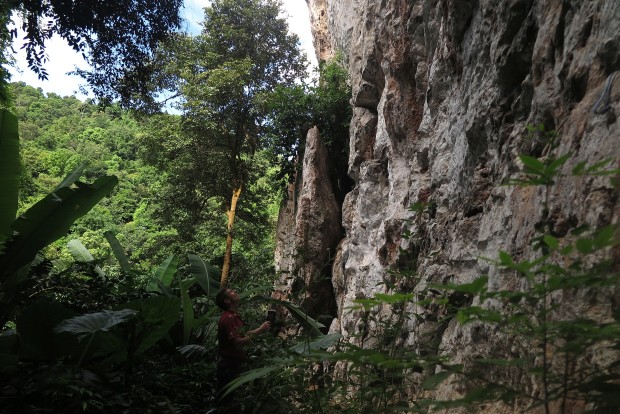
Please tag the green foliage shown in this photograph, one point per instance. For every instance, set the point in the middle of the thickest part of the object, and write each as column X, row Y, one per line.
column 206, row 275
column 117, row 40
column 293, row 110
column 59, row 135
column 556, row 339
column 9, row 172
column 95, row 359
column 94, row 322
column 312, row 327
column 118, row 251
column 40, row 225
column 214, row 155
column 164, row 274
column 155, row 316
column 49, row 219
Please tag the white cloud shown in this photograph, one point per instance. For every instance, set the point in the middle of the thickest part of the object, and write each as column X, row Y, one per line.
column 299, row 23
column 63, row 59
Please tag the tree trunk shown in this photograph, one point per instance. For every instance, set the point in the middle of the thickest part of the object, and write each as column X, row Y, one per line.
column 229, row 236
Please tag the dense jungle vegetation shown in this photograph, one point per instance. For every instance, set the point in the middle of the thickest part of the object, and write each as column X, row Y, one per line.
column 119, row 222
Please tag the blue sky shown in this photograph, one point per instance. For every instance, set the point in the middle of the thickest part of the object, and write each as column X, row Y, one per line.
column 62, row 59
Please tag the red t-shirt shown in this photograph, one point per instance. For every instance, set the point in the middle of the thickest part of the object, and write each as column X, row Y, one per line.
column 228, row 329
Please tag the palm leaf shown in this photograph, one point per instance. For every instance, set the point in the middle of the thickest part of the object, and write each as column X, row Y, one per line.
column 323, row 342
column 311, row 326
column 71, row 178
column 81, row 254
column 192, row 351
column 248, row 377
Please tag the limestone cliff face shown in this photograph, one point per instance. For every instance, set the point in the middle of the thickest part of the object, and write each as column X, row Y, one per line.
column 309, row 231
column 443, row 92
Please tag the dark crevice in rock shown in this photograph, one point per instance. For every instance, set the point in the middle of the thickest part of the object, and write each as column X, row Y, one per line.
column 474, row 211
column 514, row 65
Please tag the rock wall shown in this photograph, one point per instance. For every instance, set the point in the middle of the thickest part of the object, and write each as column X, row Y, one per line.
column 443, row 92
column 308, row 233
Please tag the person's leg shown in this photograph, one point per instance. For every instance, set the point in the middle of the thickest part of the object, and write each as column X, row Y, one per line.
column 227, row 370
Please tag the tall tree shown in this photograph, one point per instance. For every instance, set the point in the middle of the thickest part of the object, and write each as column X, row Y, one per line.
column 116, row 37
column 244, row 50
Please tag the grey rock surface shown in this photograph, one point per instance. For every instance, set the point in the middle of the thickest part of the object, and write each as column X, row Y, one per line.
column 443, row 93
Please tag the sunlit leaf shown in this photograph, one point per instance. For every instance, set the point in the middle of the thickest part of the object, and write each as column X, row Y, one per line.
column 79, row 252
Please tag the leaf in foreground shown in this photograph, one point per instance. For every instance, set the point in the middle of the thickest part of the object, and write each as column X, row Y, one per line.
column 93, row 322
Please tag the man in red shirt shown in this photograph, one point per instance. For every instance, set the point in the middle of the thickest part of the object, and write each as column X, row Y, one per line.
column 230, row 339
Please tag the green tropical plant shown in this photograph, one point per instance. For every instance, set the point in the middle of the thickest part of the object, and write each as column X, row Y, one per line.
column 44, row 222
column 82, row 255
column 244, row 50
column 90, row 324
column 119, row 252
column 164, row 274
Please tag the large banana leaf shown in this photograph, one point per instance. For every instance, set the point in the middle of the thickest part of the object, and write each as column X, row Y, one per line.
column 165, row 273
column 71, row 178
column 250, row 376
column 118, row 251
column 50, row 219
column 192, row 352
column 202, row 273
column 323, row 342
column 79, row 253
column 9, row 172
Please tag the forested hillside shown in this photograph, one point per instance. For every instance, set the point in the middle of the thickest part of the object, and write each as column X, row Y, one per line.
column 119, row 222
column 60, row 134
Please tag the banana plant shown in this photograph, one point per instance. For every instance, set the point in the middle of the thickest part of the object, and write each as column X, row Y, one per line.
column 164, row 274
column 205, row 274
column 81, row 255
column 45, row 222
column 202, row 273
column 119, row 252
column 50, row 219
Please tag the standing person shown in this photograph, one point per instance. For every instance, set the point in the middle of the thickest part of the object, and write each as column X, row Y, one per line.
column 231, row 341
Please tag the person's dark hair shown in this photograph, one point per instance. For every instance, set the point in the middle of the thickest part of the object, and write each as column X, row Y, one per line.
column 220, row 299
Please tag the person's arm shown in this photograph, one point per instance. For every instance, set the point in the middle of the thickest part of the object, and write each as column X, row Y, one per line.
column 244, row 340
